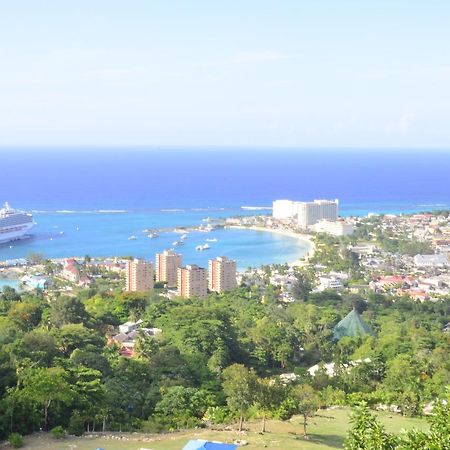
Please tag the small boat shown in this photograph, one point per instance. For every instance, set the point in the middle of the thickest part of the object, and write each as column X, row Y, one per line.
column 132, row 238
column 184, row 237
column 200, row 248
column 78, row 228
column 211, row 240
column 152, row 235
column 61, row 232
column 177, row 243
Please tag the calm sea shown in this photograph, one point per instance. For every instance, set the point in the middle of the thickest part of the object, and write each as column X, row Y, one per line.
column 89, row 201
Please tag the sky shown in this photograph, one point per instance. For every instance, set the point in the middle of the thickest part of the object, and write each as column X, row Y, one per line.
column 287, row 73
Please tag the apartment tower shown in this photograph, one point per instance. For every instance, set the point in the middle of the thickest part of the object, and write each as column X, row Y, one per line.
column 222, row 274
column 167, row 264
column 310, row 213
column 139, row 275
column 192, row 281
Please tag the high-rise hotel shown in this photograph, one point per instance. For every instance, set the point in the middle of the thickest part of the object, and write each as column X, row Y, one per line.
column 139, row 275
column 222, row 274
column 306, row 213
column 167, row 264
column 309, row 213
column 192, row 281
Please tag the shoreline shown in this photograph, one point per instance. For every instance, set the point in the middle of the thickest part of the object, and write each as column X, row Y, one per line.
column 299, row 262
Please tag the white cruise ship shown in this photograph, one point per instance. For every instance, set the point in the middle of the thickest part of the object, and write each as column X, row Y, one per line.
column 14, row 224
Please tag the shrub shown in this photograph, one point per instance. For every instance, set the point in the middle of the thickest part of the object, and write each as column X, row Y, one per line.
column 218, row 415
column 16, row 440
column 58, row 432
column 76, row 424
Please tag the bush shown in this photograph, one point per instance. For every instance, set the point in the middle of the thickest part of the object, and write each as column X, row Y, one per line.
column 76, row 424
column 152, row 426
column 218, row 415
column 58, row 432
column 16, row 440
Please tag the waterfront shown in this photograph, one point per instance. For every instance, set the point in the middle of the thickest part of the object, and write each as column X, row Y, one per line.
column 59, row 235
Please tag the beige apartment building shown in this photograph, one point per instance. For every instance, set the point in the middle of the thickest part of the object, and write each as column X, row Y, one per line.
column 139, row 275
column 167, row 264
column 222, row 274
column 192, row 281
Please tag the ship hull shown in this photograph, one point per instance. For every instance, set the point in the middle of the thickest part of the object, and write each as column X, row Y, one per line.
column 15, row 235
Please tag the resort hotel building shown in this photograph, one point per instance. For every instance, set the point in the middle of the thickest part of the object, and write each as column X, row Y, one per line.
column 167, row 264
column 192, row 281
column 306, row 213
column 139, row 275
column 222, row 274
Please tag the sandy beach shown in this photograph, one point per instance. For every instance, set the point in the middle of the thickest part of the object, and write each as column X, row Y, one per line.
column 303, row 237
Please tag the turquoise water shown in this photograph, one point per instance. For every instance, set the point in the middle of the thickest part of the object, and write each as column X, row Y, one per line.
column 146, row 184
column 11, row 283
column 59, row 235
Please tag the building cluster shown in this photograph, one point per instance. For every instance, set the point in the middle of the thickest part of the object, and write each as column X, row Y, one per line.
column 422, row 276
column 190, row 280
column 320, row 216
column 72, row 271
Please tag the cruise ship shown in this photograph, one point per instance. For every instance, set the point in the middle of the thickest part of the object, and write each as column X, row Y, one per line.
column 14, row 224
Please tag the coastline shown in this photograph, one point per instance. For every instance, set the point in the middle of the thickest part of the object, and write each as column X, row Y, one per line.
column 300, row 262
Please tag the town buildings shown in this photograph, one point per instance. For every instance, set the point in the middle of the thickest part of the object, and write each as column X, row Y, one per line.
column 192, row 281
column 139, row 275
column 167, row 264
column 335, row 228
column 222, row 274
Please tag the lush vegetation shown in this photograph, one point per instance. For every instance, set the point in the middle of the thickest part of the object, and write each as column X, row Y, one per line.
column 217, row 359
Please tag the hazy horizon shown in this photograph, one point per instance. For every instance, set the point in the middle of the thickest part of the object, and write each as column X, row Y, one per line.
column 228, row 74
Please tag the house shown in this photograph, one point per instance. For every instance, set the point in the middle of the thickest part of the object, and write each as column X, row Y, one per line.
column 128, row 334
column 71, row 270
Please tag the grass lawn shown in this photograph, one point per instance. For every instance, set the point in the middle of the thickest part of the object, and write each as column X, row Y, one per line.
column 327, row 431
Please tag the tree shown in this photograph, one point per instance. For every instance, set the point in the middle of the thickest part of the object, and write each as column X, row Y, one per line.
column 181, row 407
column 75, row 335
column 307, row 403
column 239, row 384
column 9, row 294
column 25, row 315
column 64, row 310
column 367, row 433
column 46, row 387
column 35, row 258
column 268, row 396
column 302, row 286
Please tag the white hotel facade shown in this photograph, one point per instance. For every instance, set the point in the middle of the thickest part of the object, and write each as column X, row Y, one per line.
column 306, row 213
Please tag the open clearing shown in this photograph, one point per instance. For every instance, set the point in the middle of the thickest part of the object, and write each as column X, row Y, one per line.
column 327, row 431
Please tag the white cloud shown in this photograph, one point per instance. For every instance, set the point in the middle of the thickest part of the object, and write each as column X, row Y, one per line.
column 403, row 124
column 250, row 58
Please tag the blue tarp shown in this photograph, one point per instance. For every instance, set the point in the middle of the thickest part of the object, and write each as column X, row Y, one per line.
column 199, row 444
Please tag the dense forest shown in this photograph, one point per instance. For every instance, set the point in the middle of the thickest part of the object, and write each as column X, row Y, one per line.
column 216, row 360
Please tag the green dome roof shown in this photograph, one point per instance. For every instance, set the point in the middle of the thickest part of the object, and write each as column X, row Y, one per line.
column 351, row 325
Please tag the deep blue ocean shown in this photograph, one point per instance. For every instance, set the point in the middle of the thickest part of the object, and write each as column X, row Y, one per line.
column 110, row 194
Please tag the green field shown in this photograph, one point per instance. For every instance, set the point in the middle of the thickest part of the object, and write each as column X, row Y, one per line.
column 327, row 431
